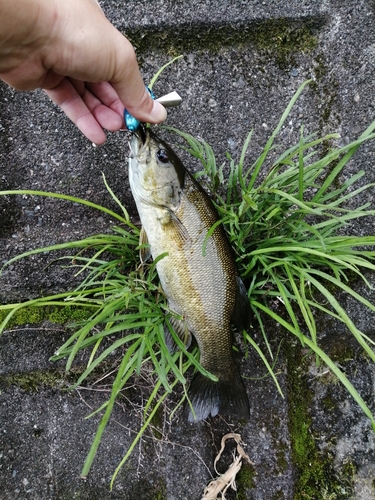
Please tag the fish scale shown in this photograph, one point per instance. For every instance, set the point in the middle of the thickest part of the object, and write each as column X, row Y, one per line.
column 212, row 278
column 198, row 273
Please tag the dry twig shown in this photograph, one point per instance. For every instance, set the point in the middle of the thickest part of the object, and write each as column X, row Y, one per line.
column 224, row 481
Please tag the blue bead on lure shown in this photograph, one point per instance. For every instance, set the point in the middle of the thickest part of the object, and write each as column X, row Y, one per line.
column 132, row 123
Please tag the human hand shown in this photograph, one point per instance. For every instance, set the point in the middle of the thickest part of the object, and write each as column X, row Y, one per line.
column 83, row 63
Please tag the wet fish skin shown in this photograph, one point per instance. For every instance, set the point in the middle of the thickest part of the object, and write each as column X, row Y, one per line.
column 176, row 214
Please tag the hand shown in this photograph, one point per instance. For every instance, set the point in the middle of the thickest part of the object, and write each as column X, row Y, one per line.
column 87, row 67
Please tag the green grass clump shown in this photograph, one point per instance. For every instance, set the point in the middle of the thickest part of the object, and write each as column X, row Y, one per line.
column 286, row 220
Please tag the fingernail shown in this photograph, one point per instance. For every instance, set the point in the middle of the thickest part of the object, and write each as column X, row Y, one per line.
column 158, row 113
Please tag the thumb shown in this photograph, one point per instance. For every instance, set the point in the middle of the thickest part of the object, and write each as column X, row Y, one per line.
column 129, row 85
column 147, row 109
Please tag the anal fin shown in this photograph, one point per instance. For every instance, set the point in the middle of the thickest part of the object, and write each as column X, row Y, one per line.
column 242, row 314
column 180, row 328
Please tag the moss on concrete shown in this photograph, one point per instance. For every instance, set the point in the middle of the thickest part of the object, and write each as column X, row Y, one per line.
column 281, row 40
column 61, row 315
column 315, row 478
column 157, row 423
column 278, row 38
column 35, row 380
column 245, row 480
column 326, row 88
column 148, row 489
column 159, row 495
column 279, row 495
column 281, row 447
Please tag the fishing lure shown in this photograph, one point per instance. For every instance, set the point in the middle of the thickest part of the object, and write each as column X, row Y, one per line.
column 168, row 101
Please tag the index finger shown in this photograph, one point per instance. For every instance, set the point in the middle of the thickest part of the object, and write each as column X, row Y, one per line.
column 66, row 96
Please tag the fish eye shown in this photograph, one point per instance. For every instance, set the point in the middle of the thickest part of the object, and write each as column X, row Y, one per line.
column 162, row 156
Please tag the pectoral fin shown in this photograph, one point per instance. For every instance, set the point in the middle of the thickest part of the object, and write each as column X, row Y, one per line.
column 179, row 228
column 168, row 219
column 144, row 246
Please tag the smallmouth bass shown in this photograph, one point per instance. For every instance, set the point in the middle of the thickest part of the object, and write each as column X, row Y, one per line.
column 202, row 287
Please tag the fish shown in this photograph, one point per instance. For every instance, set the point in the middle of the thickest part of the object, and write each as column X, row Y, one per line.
column 197, row 271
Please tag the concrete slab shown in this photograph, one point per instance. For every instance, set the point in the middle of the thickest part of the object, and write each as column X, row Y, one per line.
column 242, row 63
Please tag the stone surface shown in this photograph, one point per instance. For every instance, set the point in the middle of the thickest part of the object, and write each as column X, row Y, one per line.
column 242, row 62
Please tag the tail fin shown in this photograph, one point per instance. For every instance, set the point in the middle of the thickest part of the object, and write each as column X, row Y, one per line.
column 207, row 397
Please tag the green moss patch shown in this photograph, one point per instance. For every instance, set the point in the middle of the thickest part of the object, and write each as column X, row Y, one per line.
column 315, row 478
column 35, row 380
column 245, row 480
column 279, row 38
column 62, row 315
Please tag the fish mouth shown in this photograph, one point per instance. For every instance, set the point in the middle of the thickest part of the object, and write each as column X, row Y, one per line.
column 140, row 141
